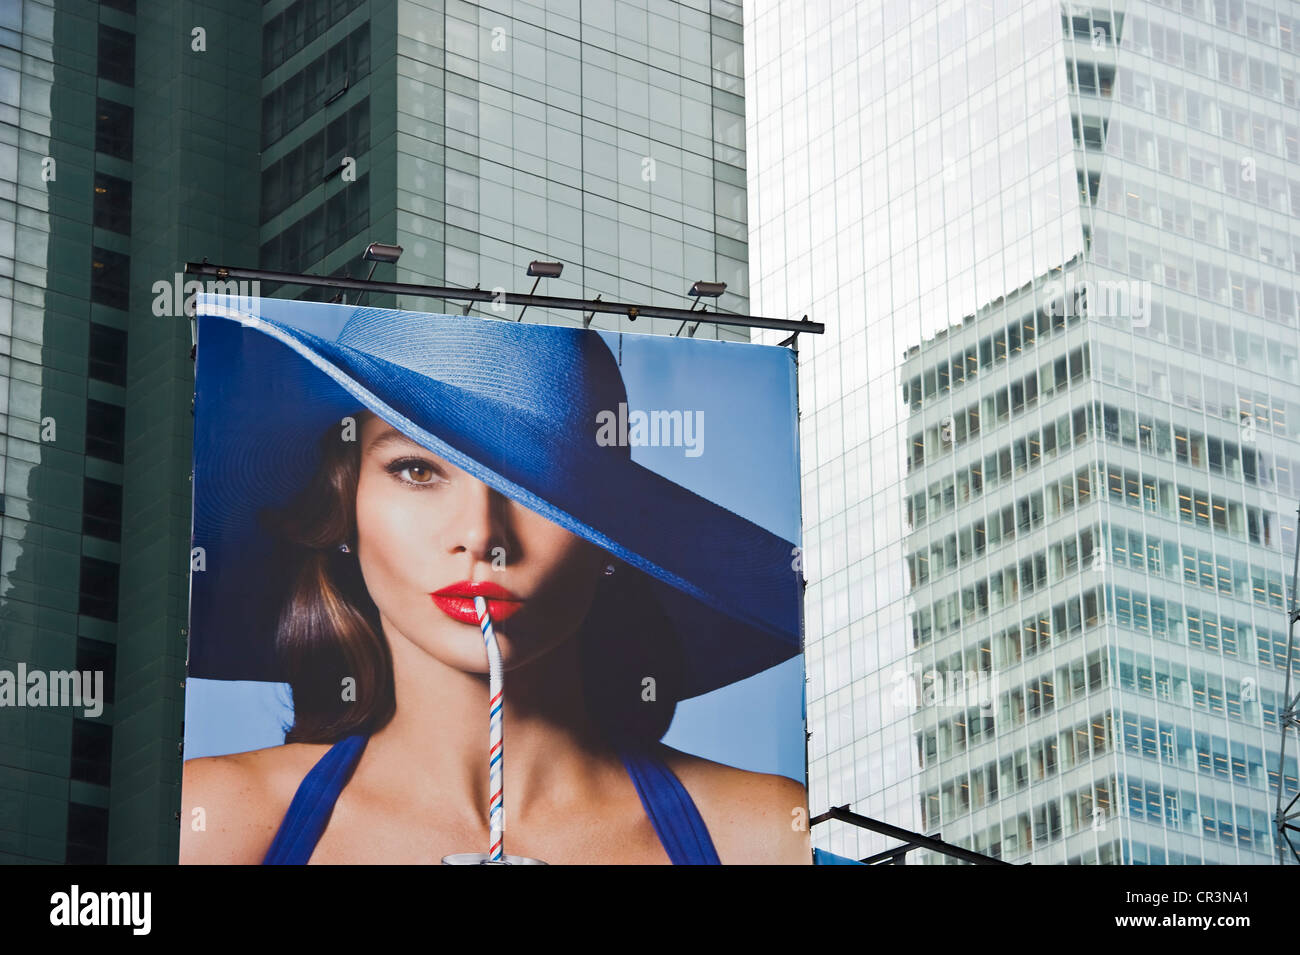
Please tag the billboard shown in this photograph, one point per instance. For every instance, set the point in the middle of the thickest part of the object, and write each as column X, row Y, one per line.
column 474, row 590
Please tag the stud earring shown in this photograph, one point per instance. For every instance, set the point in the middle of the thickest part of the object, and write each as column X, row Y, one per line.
column 609, row 570
column 344, row 549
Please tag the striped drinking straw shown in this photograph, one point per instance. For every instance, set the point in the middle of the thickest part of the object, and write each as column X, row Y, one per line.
column 496, row 804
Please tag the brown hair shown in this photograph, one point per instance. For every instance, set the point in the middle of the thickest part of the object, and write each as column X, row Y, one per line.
column 329, row 628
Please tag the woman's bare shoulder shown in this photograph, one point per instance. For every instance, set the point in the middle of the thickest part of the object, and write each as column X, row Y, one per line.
column 753, row 818
column 231, row 806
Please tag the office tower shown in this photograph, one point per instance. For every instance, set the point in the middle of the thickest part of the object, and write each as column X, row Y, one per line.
column 65, row 206
column 608, row 138
column 288, row 135
column 1049, row 452
column 110, row 180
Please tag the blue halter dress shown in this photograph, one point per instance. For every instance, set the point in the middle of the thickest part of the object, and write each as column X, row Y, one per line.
column 676, row 821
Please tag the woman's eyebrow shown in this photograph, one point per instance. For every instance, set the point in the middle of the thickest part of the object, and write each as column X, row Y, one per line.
column 390, row 436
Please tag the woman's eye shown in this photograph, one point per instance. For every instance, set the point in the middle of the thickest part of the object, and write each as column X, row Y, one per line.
column 414, row 471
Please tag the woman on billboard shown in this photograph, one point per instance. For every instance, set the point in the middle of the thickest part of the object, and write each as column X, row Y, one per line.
column 356, row 494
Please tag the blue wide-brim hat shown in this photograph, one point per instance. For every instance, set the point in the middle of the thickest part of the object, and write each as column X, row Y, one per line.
column 513, row 405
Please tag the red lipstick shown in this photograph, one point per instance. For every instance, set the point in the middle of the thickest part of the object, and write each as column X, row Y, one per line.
column 457, row 601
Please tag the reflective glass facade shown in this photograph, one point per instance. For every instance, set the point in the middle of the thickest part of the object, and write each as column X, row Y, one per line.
column 1049, row 483
column 62, row 358
column 607, row 136
column 112, row 182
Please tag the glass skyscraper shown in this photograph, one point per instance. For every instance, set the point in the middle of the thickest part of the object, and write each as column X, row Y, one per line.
column 608, row 136
column 65, row 221
column 1050, row 442
column 288, row 134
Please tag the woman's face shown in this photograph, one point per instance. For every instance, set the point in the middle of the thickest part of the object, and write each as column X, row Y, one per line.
column 430, row 536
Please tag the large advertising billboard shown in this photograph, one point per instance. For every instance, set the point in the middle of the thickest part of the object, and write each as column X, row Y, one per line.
column 471, row 590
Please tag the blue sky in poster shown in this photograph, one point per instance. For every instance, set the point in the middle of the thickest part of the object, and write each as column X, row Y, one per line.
column 743, row 392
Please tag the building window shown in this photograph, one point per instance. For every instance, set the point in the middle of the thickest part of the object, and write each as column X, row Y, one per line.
column 107, row 361
column 112, row 203
column 101, row 509
column 105, row 430
column 99, row 580
column 116, row 55
column 98, row 656
column 92, row 751
column 317, row 160
column 87, row 835
column 288, row 32
column 320, row 231
column 114, row 129
column 110, row 278
column 320, row 82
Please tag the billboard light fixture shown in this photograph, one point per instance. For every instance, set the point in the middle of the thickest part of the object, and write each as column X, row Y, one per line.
column 540, row 270
column 708, row 289
column 377, row 252
column 699, row 290
column 381, row 252
column 545, row 270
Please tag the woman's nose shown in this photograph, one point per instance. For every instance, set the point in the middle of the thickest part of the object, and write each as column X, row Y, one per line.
column 479, row 526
